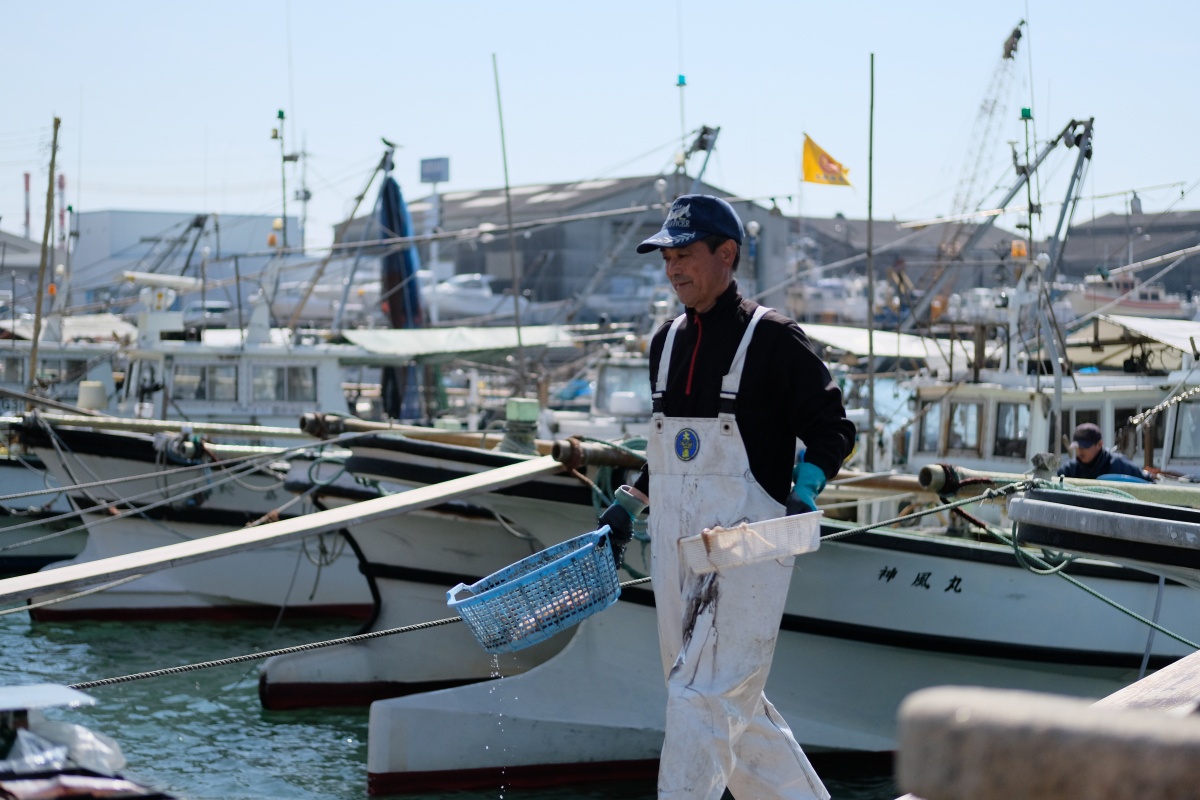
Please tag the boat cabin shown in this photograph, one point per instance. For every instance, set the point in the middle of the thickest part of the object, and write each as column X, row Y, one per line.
column 1001, row 422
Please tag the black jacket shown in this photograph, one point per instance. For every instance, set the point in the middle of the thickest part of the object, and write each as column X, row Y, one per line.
column 786, row 391
column 1106, row 462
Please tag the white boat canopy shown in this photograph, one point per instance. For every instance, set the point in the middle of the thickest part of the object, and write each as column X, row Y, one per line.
column 431, row 345
column 887, row 343
column 80, row 327
column 1181, row 334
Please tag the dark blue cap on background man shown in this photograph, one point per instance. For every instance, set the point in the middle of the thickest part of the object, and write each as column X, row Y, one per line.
column 1086, row 434
column 693, row 217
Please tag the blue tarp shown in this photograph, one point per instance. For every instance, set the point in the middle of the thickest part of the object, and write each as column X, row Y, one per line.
column 401, row 294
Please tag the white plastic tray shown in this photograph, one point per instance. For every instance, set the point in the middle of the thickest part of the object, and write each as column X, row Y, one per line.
column 718, row 549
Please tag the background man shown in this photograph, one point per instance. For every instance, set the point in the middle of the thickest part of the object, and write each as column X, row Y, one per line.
column 734, row 386
column 1091, row 458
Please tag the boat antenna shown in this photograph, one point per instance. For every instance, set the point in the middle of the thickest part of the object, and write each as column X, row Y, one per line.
column 512, row 245
column 681, row 83
column 871, row 275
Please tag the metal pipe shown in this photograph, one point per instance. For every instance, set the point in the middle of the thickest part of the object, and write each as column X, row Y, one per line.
column 575, row 453
column 165, row 426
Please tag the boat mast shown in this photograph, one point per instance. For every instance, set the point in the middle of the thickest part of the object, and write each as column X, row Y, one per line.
column 41, row 287
column 512, row 244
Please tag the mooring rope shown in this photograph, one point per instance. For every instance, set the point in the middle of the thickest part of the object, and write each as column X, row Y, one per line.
column 232, row 468
column 1040, row 566
column 300, row 648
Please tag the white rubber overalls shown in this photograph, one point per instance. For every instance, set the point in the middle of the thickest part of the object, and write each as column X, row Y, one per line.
column 717, row 631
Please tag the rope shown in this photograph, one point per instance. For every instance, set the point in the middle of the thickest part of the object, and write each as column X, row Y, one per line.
column 237, row 462
column 1040, row 566
column 990, row 494
column 300, row 648
column 1050, row 570
column 227, row 476
column 126, row 479
column 241, row 464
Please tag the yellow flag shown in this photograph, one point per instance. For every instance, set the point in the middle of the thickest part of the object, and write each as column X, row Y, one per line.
column 820, row 168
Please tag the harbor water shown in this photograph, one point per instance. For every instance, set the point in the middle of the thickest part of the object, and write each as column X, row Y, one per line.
column 203, row 735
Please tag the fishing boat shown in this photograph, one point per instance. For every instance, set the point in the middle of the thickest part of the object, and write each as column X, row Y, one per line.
column 36, row 522
column 1132, row 376
column 45, row 758
column 213, row 399
column 135, row 491
column 894, row 596
column 78, row 361
column 1126, row 295
column 869, row 619
column 883, row 612
column 619, row 405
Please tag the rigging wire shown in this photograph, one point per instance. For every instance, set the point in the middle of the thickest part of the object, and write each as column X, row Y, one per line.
column 244, row 468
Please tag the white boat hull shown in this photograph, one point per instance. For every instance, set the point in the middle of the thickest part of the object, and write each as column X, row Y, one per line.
column 412, row 560
column 317, row 576
column 595, row 711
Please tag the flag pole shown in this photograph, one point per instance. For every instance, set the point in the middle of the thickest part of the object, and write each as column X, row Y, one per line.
column 871, row 276
column 800, row 212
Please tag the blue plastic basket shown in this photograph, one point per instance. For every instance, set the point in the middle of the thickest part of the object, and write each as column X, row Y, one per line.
column 539, row 596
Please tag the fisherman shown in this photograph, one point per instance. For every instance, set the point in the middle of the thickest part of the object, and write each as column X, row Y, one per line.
column 734, row 385
column 1092, row 460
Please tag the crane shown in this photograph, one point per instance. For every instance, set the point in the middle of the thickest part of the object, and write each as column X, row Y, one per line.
column 978, row 158
column 1076, row 134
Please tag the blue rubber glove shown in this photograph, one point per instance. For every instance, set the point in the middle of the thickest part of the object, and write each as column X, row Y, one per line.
column 809, row 480
column 619, row 518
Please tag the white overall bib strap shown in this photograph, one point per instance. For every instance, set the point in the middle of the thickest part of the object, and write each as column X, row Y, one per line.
column 733, row 379
column 664, row 363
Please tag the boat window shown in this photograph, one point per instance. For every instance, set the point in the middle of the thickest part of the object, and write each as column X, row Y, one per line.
column 931, row 426
column 292, row 384
column 1187, row 431
column 964, row 427
column 12, row 369
column 625, row 378
column 205, row 382
column 1012, row 430
column 1121, row 420
column 62, row 370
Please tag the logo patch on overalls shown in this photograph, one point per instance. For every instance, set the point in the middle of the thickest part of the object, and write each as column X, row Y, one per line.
column 687, row 444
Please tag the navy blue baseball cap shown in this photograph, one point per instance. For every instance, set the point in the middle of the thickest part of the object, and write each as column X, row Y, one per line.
column 1086, row 434
column 692, row 217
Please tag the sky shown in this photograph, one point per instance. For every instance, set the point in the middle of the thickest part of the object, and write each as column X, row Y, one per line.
column 170, row 106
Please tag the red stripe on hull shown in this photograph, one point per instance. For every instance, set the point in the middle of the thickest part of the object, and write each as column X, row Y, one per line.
column 537, row 776
column 294, row 696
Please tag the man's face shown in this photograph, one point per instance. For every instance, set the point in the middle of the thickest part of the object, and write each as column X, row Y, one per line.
column 1086, row 453
column 698, row 275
